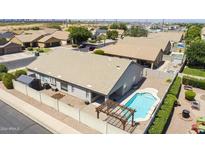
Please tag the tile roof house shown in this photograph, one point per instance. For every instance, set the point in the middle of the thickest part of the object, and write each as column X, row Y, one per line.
column 27, row 40
column 9, row 48
column 49, row 41
column 145, row 50
column 62, row 35
column 86, row 76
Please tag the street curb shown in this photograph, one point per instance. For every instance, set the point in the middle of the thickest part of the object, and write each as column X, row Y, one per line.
column 63, row 130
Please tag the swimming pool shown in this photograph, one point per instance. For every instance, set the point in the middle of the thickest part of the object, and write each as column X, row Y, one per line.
column 143, row 103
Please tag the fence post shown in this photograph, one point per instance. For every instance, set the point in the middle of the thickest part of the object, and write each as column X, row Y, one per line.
column 26, row 90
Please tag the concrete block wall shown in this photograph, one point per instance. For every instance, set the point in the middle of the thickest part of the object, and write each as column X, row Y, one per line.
column 75, row 113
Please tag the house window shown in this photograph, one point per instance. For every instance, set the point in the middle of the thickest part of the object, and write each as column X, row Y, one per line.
column 87, row 94
column 64, row 86
column 53, row 81
column 72, row 89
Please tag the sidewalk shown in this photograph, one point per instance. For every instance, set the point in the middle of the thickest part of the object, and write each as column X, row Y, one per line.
column 44, row 115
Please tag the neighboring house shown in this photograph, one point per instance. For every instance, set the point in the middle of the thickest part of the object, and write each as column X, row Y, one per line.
column 7, row 35
column 29, row 40
column 10, row 48
column 203, row 33
column 44, row 32
column 63, row 36
column 147, row 51
column 98, row 32
column 86, row 76
column 49, row 41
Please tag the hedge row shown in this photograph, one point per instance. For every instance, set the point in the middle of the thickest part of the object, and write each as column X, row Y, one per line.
column 166, row 108
column 198, row 83
column 175, row 88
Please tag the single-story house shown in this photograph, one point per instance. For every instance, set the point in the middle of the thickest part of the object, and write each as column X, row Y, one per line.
column 98, row 32
column 44, row 31
column 147, row 51
column 49, row 41
column 27, row 40
column 63, row 36
column 86, row 76
column 9, row 48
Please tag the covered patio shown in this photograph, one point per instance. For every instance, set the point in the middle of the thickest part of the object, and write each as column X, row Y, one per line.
column 117, row 111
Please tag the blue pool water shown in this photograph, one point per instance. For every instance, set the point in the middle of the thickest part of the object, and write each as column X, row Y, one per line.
column 141, row 102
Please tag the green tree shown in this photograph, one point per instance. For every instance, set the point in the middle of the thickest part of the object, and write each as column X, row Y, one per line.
column 79, row 34
column 193, row 33
column 102, row 37
column 137, row 32
column 114, row 26
column 3, row 68
column 122, row 26
column 195, row 54
column 112, row 34
column 103, row 27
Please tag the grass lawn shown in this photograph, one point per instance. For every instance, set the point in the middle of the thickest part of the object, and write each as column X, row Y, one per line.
column 194, row 71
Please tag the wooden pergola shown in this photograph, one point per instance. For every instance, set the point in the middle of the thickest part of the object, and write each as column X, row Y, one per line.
column 116, row 110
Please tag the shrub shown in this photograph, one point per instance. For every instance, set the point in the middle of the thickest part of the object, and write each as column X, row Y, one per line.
column 3, row 68
column 7, row 80
column 163, row 115
column 40, row 50
column 19, row 73
column 74, row 45
column 175, row 88
column 190, row 95
column 165, row 111
column 99, row 52
column 1, row 76
column 30, row 49
column 92, row 41
column 198, row 83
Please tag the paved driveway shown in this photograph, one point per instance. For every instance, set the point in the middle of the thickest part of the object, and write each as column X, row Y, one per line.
column 14, row 122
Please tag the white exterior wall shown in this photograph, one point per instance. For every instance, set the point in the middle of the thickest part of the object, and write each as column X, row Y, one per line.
column 131, row 76
column 77, row 91
column 63, row 42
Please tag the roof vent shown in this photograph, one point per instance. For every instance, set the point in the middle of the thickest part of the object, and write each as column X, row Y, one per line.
column 89, row 86
column 35, row 68
column 118, row 67
column 59, row 76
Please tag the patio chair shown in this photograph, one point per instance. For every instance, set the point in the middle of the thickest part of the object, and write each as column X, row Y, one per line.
column 187, row 87
column 195, row 104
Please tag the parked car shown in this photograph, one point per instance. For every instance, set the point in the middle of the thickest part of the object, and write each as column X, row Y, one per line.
column 82, row 46
column 91, row 48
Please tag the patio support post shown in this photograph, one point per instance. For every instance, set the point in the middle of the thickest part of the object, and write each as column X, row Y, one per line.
column 98, row 114
column 132, row 120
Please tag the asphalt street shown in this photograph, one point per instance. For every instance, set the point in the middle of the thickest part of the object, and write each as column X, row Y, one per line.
column 14, row 122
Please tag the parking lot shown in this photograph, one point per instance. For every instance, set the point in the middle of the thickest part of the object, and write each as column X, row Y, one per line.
column 14, row 122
